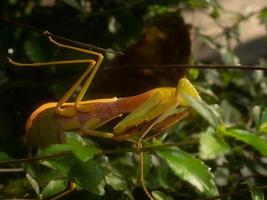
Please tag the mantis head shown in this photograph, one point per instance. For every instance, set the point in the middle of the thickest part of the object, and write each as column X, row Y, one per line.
column 184, row 89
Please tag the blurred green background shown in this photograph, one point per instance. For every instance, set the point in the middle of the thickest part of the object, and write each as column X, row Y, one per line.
column 150, row 32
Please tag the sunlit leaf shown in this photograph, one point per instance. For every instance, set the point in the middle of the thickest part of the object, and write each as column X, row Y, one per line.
column 190, row 169
column 222, row 176
column 263, row 16
column 208, row 41
column 75, row 144
column 228, row 57
column 256, row 193
column 116, row 181
column 160, row 196
column 211, row 146
column 55, row 149
column 263, row 121
column 252, row 139
column 230, row 115
column 54, row 187
column 204, row 109
column 79, row 147
column 33, row 183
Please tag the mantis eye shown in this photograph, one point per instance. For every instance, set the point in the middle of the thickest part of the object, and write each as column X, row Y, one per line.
column 185, row 88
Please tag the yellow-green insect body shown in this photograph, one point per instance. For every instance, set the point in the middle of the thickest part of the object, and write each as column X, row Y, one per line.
column 46, row 126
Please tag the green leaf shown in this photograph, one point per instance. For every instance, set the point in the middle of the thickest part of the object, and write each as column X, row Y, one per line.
column 55, row 149
column 263, row 121
column 160, row 196
column 256, row 193
column 228, row 56
column 208, row 41
column 33, row 183
column 263, row 16
column 54, row 187
column 147, row 165
column 252, row 139
column 204, row 109
column 89, row 175
column 61, row 164
column 73, row 4
column 212, row 146
column 75, row 144
column 34, row 50
column 230, row 115
column 190, row 169
column 116, row 181
column 4, row 156
column 79, row 147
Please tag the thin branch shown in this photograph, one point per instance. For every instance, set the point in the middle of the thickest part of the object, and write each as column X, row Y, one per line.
column 11, row 170
column 230, row 194
column 105, row 152
column 19, row 199
column 28, row 160
column 179, row 66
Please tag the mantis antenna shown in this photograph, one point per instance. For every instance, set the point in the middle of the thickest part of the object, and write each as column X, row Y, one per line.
column 60, row 38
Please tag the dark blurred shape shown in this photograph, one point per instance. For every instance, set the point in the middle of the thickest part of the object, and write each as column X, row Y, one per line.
column 165, row 40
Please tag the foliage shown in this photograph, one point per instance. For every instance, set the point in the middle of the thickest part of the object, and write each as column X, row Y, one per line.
column 219, row 149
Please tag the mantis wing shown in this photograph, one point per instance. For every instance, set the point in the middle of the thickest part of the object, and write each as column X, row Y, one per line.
column 149, row 110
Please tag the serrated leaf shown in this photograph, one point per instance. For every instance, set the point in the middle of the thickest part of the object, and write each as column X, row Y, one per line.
column 54, row 187
column 160, row 196
column 190, row 169
column 203, row 109
column 256, row 193
column 33, row 183
column 212, row 146
column 89, row 175
column 252, row 139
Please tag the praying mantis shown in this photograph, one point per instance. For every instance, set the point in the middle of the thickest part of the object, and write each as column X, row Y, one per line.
column 153, row 110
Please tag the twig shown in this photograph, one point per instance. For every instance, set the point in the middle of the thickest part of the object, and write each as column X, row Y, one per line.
column 235, row 193
column 116, row 151
column 27, row 160
column 11, row 170
column 179, row 66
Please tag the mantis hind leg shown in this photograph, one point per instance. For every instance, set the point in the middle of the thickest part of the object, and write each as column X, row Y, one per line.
column 88, row 75
column 93, row 68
